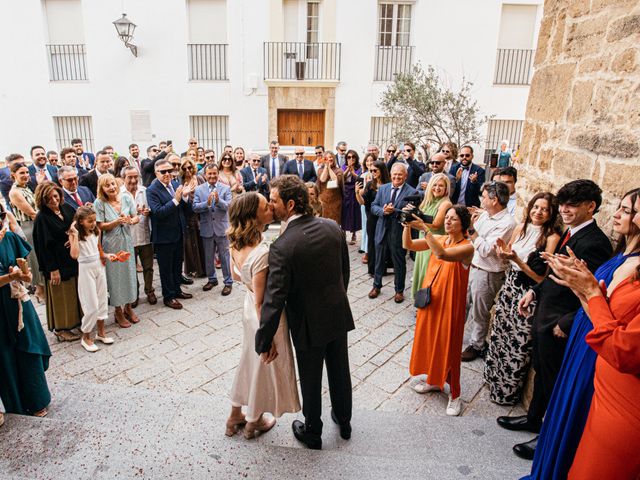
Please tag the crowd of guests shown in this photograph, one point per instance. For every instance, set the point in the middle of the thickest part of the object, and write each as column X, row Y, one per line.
column 78, row 228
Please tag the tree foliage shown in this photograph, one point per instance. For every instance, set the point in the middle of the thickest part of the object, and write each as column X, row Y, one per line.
column 427, row 110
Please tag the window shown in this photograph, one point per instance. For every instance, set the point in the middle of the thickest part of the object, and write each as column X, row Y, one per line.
column 66, row 50
column 394, row 25
column 207, row 47
column 68, row 128
column 514, row 59
column 499, row 130
column 313, row 21
column 211, row 131
column 383, row 132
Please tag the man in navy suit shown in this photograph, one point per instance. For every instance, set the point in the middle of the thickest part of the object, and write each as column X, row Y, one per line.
column 86, row 160
column 41, row 170
column 74, row 195
column 273, row 162
column 70, row 159
column 469, row 179
column 166, row 201
column 212, row 201
column 255, row 177
column 414, row 168
column 388, row 237
column 300, row 167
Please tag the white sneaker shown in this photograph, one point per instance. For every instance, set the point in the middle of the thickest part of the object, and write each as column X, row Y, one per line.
column 424, row 387
column 105, row 340
column 89, row 348
column 454, row 407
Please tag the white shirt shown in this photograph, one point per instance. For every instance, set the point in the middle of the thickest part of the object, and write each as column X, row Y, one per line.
column 141, row 231
column 489, row 229
column 575, row 230
column 286, row 223
column 511, row 206
column 276, row 163
column 527, row 244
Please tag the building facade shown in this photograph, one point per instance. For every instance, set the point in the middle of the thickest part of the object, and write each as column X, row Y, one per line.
column 245, row 72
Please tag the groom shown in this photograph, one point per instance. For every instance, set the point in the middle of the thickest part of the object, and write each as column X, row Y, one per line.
column 308, row 278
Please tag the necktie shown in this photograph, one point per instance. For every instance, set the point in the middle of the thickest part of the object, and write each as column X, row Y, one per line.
column 566, row 239
column 76, row 197
column 300, row 169
column 463, row 185
column 273, row 168
column 393, row 195
column 171, row 190
column 255, row 174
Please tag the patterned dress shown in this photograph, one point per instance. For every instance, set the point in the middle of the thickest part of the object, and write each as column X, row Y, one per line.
column 121, row 276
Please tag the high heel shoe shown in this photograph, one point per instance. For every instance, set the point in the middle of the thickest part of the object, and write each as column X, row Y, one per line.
column 261, row 425
column 128, row 313
column 120, row 319
column 232, row 426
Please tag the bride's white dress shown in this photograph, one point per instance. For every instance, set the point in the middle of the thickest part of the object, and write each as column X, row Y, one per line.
column 263, row 388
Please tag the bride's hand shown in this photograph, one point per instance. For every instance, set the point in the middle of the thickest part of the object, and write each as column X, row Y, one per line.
column 270, row 356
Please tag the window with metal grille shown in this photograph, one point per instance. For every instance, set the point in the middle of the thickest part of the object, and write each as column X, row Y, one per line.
column 394, row 54
column 67, row 128
column 313, row 21
column 211, row 131
column 383, row 132
column 499, row 130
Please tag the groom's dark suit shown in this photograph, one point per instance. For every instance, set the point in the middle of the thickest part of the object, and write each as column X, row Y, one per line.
column 309, row 280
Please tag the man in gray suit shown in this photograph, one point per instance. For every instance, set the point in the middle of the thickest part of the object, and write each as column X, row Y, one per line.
column 273, row 162
column 211, row 201
column 436, row 164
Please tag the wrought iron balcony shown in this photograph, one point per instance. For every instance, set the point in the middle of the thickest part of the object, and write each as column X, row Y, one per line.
column 67, row 62
column 302, row 61
column 391, row 60
column 207, row 61
column 513, row 67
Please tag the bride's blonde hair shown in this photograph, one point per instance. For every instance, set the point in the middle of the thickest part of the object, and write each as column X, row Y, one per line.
column 244, row 229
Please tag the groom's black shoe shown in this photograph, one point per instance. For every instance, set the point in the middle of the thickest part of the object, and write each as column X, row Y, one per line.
column 518, row 423
column 526, row 450
column 312, row 441
column 345, row 428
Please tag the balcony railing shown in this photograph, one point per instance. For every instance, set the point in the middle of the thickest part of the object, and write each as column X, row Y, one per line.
column 67, row 62
column 301, row 61
column 207, row 61
column 391, row 60
column 513, row 67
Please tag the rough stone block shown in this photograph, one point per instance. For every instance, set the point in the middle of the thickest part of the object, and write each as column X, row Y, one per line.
column 580, row 102
column 585, row 37
column 618, row 178
column 625, row 62
column 613, row 143
column 623, row 27
column 549, row 93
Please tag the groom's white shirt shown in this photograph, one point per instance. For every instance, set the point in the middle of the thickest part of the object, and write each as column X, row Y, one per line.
column 286, row 223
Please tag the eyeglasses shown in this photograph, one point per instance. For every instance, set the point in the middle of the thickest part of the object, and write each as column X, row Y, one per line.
column 465, row 155
column 165, row 171
column 299, row 154
column 391, row 151
column 445, row 151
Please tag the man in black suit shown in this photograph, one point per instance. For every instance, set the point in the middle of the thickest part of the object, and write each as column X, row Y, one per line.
column 70, row 159
column 318, row 311
column 254, row 177
column 86, row 160
column 41, row 170
column 469, row 179
column 74, row 195
column 167, row 199
column 300, row 167
column 273, row 162
column 415, row 169
column 90, row 180
column 557, row 305
column 147, row 165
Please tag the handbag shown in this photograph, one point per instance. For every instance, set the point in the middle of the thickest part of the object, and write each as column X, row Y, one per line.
column 422, row 297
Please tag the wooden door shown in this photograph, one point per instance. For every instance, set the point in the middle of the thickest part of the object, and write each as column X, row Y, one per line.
column 301, row 127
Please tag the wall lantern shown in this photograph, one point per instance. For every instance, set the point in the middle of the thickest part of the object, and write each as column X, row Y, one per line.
column 125, row 29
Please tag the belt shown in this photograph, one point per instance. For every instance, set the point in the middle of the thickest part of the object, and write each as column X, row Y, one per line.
column 485, row 270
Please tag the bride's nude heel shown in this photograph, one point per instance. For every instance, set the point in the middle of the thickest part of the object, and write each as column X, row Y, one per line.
column 261, row 425
column 232, row 426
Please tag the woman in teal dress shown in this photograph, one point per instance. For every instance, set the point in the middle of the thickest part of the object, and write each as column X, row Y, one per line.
column 115, row 213
column 24, row 351
column 436, row 203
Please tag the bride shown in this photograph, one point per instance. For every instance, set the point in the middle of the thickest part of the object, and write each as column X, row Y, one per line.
column 258, row 386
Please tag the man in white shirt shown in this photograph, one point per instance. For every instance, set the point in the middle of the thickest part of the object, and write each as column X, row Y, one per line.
column 487, row 269
column 134, row 157
column 141, row 232
column 509, row 176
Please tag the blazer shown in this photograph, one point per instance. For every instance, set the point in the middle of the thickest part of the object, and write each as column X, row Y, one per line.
column 250, row 185
column 87, row 156
column 147, row 167
column 53, row 171
column 557, row 305
column 472, row 192
column 309, row 284
column 214, row 220
column 309, row 173
column 414, row 169
column 389, row 224
column 265, row 162
column 84, row 193
column 167, row 218
column 90, row 181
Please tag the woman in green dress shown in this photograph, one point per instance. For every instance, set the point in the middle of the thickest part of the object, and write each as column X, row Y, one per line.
column 436, row 203
column 115, row 213
column 24, row 351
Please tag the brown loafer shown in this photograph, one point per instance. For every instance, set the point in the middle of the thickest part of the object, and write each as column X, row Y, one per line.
column 226, row 290
column 374, row 292
column 398, row 297
column 152, row 299
column 173, row 303
column 469, row 354
column 184, row 295
column 209, row 285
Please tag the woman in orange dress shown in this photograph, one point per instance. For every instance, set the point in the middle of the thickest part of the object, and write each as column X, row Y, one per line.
column 609, row 444
column 440, row 324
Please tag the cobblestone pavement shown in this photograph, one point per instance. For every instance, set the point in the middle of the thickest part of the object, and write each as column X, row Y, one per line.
column 197, row 349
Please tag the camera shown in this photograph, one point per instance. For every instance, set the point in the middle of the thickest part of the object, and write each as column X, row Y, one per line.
column 407, row 216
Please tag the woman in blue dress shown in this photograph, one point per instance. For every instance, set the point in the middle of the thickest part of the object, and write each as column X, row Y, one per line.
column 24, row 351
column 504, row 155
column 571, row 398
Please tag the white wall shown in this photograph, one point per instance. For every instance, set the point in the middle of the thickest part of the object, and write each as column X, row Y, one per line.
column 458, row 44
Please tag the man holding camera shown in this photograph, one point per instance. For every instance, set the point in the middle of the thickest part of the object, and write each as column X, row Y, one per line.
column 390, row 198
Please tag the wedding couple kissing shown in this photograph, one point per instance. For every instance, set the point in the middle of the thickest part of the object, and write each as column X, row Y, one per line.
column 296, row 292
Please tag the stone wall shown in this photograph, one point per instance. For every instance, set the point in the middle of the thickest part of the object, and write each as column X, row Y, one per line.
column 583, row 112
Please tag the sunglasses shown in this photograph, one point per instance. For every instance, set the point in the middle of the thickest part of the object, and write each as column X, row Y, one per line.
column 408, row 150
column 465, row 155
column 227, row 159
column 318, row 153
column 155, row 150
column 445, row 151
column 187, row 168
column 165, row 171
column 373, row 170
column 193, row 143
column 255, row 160
column 209, row 157
column 74, row 179
column 351, row 156
column 176, row 165
column 436, row 162
column 299, row 154
column 391, row 151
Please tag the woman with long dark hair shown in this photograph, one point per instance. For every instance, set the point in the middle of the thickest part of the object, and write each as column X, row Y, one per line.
column 351, row 217
column 509, row 353
column 193, row 248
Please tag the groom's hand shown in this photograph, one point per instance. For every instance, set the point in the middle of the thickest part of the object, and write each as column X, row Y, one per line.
column 270, row 356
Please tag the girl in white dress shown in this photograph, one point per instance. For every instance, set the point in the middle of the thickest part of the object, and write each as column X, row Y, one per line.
column 258, row 386
column 84, row 238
